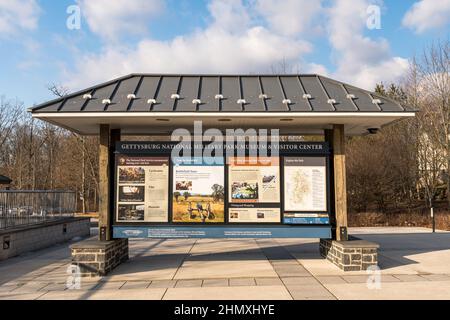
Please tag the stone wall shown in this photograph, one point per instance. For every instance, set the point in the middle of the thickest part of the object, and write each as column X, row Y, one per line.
column 98, row 258
column 353, row 255
column 30, row 238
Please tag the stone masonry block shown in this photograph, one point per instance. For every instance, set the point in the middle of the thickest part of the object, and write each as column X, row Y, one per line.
column 353, row 255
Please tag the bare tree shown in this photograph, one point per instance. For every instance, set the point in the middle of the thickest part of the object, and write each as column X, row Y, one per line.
column 434, row 72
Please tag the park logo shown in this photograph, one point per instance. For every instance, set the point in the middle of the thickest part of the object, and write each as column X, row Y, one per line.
column 133, row 233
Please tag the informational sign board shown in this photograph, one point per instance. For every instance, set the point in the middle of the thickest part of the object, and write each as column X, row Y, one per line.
column 198, row 192
column 254, row 190
column 142, row 189
column 239, row 196
column 305, row 190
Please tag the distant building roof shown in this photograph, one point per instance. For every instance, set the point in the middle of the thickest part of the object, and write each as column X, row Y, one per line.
column 5, row 180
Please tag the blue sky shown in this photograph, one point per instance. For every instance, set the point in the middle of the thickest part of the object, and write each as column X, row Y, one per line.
column 117, row 37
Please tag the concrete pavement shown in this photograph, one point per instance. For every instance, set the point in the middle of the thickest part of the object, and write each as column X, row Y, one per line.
column 415, row 265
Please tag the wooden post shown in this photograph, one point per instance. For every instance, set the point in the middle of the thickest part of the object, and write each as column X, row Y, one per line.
column 104, row 221
column 340, row 183
column 332, row 209
column 115, row 136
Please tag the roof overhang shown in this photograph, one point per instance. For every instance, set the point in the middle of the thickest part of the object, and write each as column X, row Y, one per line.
column 159, row 104
column 161, row 123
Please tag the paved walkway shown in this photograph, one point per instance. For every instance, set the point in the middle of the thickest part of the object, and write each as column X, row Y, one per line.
column 415, row 265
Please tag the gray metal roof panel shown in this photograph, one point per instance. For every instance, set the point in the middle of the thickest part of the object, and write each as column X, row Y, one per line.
column 294, row 92
column 319, row 99
column 74, row 104
column 5, row 179
column 209, row 90
column 147, row 90
column 96, row 103
column 121, row 102
column 272, row 87
column 387, row 104
column 232, row 93
column 169, row 86
column 337, row 92
column 232, row 87
column 251, row 91
column 189, row 90
column 362, row 100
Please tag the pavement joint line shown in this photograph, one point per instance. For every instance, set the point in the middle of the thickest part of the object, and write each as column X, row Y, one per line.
column 164, row 294
column 184, row 259
column 279, row 278
column 43, row 294
column 421, row 275
column 343, row 279
column 298, row 262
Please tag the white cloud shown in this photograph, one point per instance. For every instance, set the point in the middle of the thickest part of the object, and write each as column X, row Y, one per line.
column 289, row 17
column 18, row 15
column 232, row 43
column 113, row 18
column 252, row 37
column 229, row 15
column 315, row 68
column 427, row 14
column 359, row 58
column 209, row 51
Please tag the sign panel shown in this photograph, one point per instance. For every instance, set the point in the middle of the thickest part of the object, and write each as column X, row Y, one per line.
column 305, row 184
column 254, row 190
column 227, row 232
column 198, row 193
column 305, row 190
column 160, row 198
column 142, row 189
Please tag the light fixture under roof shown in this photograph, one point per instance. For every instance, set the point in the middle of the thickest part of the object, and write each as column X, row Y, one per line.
column 331, row 101
column 131, row 96
column 163, row 120
column 263, row 96
column 224, row 120
column 351, row 96
column 307, row 96
column 151, row 101
column 87, row 96
column 286, row 120
column 376, row 101
column 175, row 96
column 218, row 97
column 106, row 101
column 197, row 101
column 287, row 101
column 241, row 101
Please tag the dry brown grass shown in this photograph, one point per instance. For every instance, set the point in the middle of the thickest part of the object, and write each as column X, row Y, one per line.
column 414, row 219
column 180, row 210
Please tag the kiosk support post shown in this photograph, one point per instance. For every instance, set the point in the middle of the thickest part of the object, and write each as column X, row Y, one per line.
column 99, row 257
column 337, row 139
column 340, row 182
column 108, row 138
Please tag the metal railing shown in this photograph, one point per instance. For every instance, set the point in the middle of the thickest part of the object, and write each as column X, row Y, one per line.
column 23, row 208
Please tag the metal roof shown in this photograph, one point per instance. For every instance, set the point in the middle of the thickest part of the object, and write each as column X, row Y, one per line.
column 158, row 104
column 221, row 93
column 5, row 180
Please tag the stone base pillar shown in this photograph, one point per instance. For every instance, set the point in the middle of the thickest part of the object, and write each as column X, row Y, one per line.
column 98, row 258
column 353, row 255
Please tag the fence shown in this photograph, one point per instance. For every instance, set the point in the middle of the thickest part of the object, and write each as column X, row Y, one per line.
column 21, row 208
